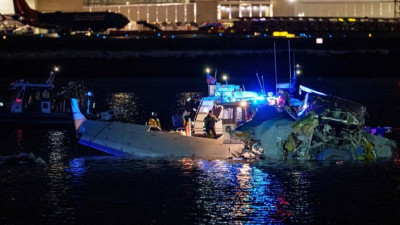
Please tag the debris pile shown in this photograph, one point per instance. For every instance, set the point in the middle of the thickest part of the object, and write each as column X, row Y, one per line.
column 322, row 127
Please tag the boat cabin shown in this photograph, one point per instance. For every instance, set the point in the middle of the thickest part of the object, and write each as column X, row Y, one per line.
column 30, row 97
column 230, row 104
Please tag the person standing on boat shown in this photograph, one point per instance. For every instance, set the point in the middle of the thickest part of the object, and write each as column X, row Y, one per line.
column 209, row 124
column 191, row 107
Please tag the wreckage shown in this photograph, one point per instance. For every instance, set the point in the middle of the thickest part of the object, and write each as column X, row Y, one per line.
column 319, row 127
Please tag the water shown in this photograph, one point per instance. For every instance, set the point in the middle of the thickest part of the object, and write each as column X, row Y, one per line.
column 79, row 185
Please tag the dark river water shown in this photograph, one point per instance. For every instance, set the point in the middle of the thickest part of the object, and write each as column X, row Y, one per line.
column 77, row 185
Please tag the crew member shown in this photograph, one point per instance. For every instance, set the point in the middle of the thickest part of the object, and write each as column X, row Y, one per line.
column 191, row 107
column 209, row 124
column 154, row 121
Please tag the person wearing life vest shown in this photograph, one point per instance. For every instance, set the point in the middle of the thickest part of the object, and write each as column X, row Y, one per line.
column 154, row 121
column 209, row 124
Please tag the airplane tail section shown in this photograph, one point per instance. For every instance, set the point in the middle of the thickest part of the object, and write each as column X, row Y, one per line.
column 22, row 8
column 79, row 118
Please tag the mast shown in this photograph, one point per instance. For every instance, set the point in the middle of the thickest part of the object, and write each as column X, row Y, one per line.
column 276, row 73
column 290, row 66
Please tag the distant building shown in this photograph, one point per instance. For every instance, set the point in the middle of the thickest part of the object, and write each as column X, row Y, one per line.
column 198, row 11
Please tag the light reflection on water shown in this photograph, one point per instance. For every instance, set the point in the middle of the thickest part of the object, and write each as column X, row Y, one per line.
column 134, row 110
column 243, row 192
column 129, row 104
column 58, row 194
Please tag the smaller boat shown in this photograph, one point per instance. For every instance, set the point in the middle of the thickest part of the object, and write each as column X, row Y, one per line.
column 35, row 104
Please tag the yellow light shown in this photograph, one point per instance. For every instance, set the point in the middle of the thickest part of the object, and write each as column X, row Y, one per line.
column 4, row 37
column 340, row 19
column 207, row 70
column 280, row 33
column 351, row 19
column 298, row 72
column 243, row 103
column 369, row 35
column 290, row 35
column 56, row 68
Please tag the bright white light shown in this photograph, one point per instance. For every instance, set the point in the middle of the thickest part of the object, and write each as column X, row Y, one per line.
column 255, row 7
column 224, row 77
column 319, row 41
column 1, row 104
column 207, row 70
column 223, row 7
column 56, row 69
column 243, row 103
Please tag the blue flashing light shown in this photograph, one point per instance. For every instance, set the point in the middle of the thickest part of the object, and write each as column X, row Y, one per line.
column 265, row 35
column 344, row 35
column 309, row 35
column 98, row 35
column 220, row 34
column 194, row 35
column 89, row 93
column 248, row 36
column 126, row 35
column 104, row 37
column 173, row 36
column 158, row 35
column 330, row 36
column 41, row 35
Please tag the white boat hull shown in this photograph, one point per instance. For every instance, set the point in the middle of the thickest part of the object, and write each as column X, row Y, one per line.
column 137, row 140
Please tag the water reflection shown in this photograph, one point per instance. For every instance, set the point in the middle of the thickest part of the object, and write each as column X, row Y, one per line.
column 58, row 194
column 20, row 141
column 244, row 193
column 130, row 105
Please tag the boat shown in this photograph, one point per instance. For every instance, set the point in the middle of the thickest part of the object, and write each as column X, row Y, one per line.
column 141, row 140
column 36, row 104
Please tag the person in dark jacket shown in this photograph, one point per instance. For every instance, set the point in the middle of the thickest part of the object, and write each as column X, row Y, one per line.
column 191, row 107
column 209, row 124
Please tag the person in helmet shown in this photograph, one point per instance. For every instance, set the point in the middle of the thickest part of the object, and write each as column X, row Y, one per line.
column 154, row 121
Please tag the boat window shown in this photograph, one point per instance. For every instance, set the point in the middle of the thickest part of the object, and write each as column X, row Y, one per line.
column 228, row 113
column 206, row 106
column 239, row 114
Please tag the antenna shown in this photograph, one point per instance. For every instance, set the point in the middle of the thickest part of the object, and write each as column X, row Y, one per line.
column 215, row 74
column 259, row 82
column 276, row 73
column 290, row 66
column 263, row 87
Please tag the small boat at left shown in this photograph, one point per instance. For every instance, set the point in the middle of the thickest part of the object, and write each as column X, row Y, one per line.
column 39, row 105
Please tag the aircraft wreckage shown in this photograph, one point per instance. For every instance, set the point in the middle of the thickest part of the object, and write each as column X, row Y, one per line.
column 320, row 127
